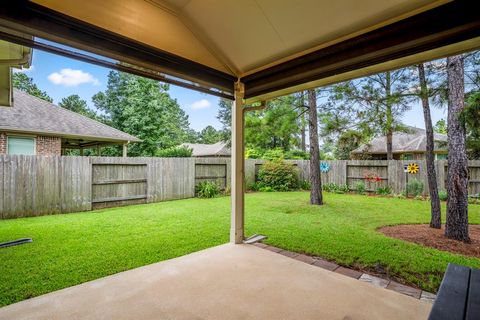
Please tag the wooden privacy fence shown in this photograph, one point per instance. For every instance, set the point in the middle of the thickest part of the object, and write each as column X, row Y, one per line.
column 39, row 185
column 391, row 173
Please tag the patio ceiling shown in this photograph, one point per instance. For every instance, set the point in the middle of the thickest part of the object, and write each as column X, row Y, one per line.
column 274, row 47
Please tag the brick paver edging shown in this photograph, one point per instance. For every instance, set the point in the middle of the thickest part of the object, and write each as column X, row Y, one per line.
column 373, row 280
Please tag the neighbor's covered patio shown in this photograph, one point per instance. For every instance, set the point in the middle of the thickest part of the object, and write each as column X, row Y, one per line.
column 249, row 51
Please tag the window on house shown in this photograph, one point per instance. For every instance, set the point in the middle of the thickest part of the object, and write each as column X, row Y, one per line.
column 407, row 156
column 21, row 145
column 441, row 156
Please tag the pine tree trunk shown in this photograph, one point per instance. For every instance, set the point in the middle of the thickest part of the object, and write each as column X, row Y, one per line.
column 303, row 135
column 389, row 116
column 457, row 177
column 315, row 177
column 390, row 145
column 436, row 217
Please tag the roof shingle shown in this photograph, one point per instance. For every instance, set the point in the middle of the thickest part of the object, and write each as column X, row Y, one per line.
column 33, row 115
column 413, row 141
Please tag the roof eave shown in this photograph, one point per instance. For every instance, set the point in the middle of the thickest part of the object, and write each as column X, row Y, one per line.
column 68, row 135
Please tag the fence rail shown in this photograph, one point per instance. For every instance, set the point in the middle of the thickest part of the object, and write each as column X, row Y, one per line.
column 39, row 185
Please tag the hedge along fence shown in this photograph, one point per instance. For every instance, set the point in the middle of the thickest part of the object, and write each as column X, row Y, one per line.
column 39, row 185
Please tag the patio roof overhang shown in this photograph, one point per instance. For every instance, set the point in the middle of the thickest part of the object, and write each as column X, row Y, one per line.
column 274, row 48
column 251, row 50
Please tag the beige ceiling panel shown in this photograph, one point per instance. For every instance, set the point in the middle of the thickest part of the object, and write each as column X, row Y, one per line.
column 239, row 29
column 309, row 23
column 250, row 34
column 144, row 21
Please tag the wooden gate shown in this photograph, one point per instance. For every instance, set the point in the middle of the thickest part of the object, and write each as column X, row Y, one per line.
column 116, row 184
column 358, row 170
column 215, row 172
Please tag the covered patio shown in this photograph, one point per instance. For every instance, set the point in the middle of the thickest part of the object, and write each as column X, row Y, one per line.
column 224, row 282
column 248, row 51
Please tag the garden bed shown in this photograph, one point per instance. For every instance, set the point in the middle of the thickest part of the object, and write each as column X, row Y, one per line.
column 435, row 238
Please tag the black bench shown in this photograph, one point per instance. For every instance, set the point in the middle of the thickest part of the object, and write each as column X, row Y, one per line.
column 459, row 295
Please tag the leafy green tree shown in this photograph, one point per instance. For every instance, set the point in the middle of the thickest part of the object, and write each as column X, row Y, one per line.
column 380, row 101
column 174, row 152
column 225, row 118
column 76, row 104
column 210, row 135
column 142, row 107
column 275, row 127
column 440, row 126
column 24, row 83
column 347, row 142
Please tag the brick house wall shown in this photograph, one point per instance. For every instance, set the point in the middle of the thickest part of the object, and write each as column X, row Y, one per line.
column 3, row 143
column 44, row 146
column 48, row 146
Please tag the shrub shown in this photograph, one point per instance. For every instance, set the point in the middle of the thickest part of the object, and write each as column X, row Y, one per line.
column 384, row 191
column 343, row 188
column 207, row 189
column 278, row 175
column 360, row 187
column 273, row 154
column 174, row 152
column 266, row 189
column 415, row 188
column 332, row 187
column 253, row 186
column 329, row 187
column 297, row 155
column 305, row 185
column 253, row 153
column 472, row 200
column 443, row 195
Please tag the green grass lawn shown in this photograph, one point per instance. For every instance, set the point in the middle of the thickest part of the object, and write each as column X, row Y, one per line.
column 70, row 249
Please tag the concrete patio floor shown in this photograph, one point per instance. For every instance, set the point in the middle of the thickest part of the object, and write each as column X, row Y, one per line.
column 224, row 282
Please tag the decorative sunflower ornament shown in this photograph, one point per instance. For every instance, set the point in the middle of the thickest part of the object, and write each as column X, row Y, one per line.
column 413, row 168
column 324, row 167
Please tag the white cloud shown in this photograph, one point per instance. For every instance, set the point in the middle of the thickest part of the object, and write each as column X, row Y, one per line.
column 24, row 70
column 201, row 104
column 71, row 78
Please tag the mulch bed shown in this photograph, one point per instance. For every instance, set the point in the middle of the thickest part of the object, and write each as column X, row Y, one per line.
column 435, row 238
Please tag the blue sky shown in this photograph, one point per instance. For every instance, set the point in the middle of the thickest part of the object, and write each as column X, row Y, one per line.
column 61, row 77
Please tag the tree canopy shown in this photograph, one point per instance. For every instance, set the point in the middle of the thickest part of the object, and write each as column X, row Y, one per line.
column 142, row 107
column 76, row 104
column 210, row 135
column 24, row 83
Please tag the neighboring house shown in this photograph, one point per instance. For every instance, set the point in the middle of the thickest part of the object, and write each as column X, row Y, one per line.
column 406, row 146
column 36, row 127
column 219, row 149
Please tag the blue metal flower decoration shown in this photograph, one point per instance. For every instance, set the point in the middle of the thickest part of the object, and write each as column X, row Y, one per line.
column 324, row 167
